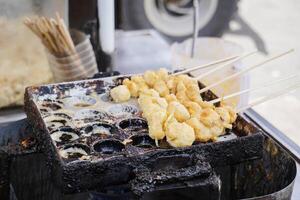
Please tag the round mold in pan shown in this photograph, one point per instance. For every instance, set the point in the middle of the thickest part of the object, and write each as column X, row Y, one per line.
column 64, row 135
column 133, row 125
column 58, row 115
column 79, row 101
column 51, row 105
column 92, row 114
column 105, row 97
column 123, row 111
column 74, row 151
column 143, row 141
column 99, row 129
column 56, row 120
column 109, row 146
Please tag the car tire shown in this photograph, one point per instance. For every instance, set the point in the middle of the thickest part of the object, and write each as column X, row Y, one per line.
column 133, row 16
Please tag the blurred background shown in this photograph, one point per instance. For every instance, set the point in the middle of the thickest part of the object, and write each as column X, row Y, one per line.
column 131, row 36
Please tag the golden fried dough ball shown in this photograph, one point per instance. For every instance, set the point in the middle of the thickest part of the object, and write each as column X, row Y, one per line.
column 217, row 130
column 180, row 112
column 179, row 134
column 148, row 110
column 184, row 78
column 149, row 104
column 156, row 121
column 202, row 133
column 180, row 86
column 141, row 83
column 161, row 102
column 181, row 92
column 232, row 113
column 132, row 86
column 161, row 87
column 225, row 116
column 172, row 84
column 120, row 93
column 150, row 77
column 149, row 92
column 205, row 104
column 209, row 117
column 193, row 92
column 144, row 101
column 170, row 98
column 193, row 108
column 162, row 74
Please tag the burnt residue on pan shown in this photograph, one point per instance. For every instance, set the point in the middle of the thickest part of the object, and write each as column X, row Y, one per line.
column 92, row 141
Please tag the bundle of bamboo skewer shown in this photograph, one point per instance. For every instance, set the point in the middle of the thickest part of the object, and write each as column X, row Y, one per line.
column 67, row 63
column 53, row 34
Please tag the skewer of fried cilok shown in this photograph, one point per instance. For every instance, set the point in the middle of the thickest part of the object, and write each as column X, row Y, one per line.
column 269, row 97
column 245, row 70
column 252, row 89
column 205, row 65
column 225, row 65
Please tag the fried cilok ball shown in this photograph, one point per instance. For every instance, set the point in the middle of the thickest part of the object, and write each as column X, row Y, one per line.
column 162, row 102
column 179, row 134
column 172, row 84
column 193, row 108
column 170, row 98
column 149, row 104
column 184, row 78
column 180, row 112
column 150, row 77
column 193, row 92
column 146, row 104
column 161, row 87
column 140, row 82
column 202, row 133
column 150, row 109
column 231, row 112
column 156, row 120
column 149, row 92
column 162, row 74
column 132, row 86
column 217, row 130
column 225, row 116
column 120, row 93
column 209, row 117
column 205, row 104
column 181, row 92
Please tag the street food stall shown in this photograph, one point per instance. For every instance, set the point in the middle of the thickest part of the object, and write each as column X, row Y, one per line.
column 94, row 113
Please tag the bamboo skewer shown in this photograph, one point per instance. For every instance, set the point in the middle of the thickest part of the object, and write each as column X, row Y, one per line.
column 225, row 65
column 53, row 33
column 205, row 65
column 252, row 89
column 245, row 70
column 57, row 40
column 269, row 97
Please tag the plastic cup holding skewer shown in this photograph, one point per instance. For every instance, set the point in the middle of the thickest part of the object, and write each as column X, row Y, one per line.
column 79, row 65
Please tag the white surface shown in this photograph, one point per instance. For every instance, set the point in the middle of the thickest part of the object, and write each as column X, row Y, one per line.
column 272, row 26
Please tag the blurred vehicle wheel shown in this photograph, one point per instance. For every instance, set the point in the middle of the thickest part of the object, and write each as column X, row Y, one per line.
column 174, row 18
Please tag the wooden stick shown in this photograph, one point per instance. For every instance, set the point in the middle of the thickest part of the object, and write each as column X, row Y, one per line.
column 245, row 70
column 205, row 65
column 225, row 65
column 269, row 97
column 64, row 31
column 252, row 89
